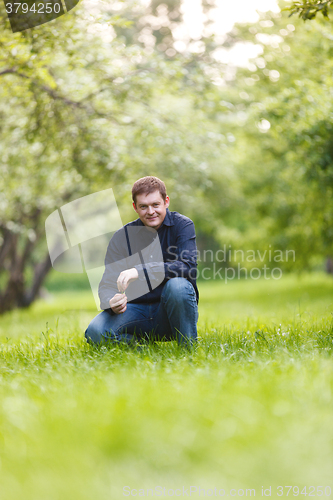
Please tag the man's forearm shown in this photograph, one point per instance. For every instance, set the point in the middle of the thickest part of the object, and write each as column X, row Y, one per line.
column 176, row 268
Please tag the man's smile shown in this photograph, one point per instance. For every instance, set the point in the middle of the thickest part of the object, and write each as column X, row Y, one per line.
column 151, row 208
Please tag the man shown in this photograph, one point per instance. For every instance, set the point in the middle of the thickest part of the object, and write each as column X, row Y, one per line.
column 149, row 296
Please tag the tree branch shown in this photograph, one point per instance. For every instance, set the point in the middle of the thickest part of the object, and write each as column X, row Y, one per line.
column 308, row 9
column 56, row 96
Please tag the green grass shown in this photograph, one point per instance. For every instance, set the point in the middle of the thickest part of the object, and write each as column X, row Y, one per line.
column 251, row 406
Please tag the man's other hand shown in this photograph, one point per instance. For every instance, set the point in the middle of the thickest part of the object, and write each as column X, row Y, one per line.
column 125, row 277
column 118, row 303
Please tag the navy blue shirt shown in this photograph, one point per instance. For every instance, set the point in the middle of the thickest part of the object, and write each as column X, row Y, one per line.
column 178, row 244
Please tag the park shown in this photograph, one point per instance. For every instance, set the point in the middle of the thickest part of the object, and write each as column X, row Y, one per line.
column 95, row 99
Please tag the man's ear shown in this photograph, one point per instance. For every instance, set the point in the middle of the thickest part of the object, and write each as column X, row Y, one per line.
column 134, row 206
column 167, row 201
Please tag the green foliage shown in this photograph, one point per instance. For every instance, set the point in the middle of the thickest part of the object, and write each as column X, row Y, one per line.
column 309, row 9
column 283, row 148
column 81, row 112
column 93, row 103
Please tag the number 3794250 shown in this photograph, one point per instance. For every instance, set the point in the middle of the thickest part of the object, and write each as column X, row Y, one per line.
column 310, row 491
column 38, row 8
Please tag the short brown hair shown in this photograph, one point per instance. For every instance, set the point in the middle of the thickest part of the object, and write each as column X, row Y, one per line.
column 148, row 185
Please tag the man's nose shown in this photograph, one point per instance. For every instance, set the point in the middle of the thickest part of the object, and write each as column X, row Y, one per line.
column 150, row 209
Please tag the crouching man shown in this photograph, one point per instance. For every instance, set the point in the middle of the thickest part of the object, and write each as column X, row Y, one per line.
column 137, row 304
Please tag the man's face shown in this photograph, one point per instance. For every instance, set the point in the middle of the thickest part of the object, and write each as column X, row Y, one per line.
column 151, row 208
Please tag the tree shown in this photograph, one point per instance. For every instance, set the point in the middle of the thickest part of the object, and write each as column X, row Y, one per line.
column 283, row 149
column 82, row 110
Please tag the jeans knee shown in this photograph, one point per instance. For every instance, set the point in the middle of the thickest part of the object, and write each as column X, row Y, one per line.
column 179, row 289
column 93, row 335
column 97, row 333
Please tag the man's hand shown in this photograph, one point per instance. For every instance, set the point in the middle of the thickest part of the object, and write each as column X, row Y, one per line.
column 125, row 277
column 118, row 303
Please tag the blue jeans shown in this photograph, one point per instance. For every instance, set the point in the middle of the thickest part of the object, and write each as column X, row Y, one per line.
column 173, row 318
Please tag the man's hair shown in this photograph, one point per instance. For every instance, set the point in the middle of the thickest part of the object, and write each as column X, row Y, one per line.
column 148, row 185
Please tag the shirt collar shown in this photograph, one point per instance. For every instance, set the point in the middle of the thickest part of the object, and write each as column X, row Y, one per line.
column 168, row 219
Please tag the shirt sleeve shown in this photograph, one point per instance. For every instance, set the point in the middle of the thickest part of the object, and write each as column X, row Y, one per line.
column 108, row 285
column 185, row 263
column 124, row 252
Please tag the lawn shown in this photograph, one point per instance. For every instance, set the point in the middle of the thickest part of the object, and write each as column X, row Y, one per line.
column 250, row 408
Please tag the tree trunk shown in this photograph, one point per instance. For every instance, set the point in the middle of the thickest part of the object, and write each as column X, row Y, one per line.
column 329, row 265
column 17, row 294
column 15, row 258
column 40, row 273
